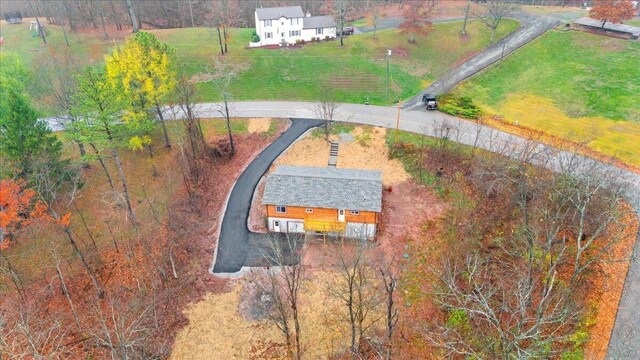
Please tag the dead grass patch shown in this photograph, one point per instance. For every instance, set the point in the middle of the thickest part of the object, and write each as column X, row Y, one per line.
column 258, row 125
column 220, row 328
column 367, row 151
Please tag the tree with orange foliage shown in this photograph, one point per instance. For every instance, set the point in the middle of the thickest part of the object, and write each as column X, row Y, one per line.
column 417, row 15
column 615, row 11
column 18, row 208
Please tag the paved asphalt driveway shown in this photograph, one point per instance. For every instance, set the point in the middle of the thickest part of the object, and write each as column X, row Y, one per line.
column 232, row 248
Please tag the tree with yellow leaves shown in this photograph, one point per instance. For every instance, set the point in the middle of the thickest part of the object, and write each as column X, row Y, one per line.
column 144, row 71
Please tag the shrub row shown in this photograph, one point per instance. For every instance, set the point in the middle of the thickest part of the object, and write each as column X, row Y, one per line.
column 461, row 106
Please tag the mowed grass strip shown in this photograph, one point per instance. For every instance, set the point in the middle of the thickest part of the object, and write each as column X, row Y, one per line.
column 577, row 86
column 354, row 73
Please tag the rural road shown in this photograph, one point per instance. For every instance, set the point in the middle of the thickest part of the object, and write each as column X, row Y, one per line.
column 624, row 341
column 531, row 27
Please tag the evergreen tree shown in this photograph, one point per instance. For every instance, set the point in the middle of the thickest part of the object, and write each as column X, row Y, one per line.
column 24, row 139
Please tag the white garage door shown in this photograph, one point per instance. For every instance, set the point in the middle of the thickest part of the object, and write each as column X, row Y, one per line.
column 295, row 227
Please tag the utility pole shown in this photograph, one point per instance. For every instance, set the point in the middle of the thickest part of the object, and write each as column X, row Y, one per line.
column 397, row 122
column 387, row 82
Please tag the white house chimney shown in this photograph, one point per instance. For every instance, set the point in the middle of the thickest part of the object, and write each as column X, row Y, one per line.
column 308, row 14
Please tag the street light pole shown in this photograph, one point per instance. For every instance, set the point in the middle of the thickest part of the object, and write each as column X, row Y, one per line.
column 388, row 58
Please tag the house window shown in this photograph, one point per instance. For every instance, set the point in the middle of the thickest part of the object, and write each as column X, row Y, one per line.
column 294, row 21
column 354, row 212
column 267, row 23
column 309, row 211
column 281, row 209
column 293, row 33
column 268, row 35
column 319, row 31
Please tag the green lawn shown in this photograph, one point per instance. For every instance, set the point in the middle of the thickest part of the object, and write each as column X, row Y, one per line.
column 633, row 22
column 575, row 85
column 354, row 72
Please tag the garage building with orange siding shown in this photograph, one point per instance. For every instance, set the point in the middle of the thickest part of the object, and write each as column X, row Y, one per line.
column 327, row 200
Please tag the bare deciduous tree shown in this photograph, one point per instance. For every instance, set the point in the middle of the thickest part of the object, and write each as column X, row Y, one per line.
column 284, row 279
column 359, row 292
column 326, row 109
column 493, row 312
column 494, row 11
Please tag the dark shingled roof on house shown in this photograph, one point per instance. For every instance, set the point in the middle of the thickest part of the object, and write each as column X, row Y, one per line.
column 314, row 22
column 324, row 187
column 274, row 13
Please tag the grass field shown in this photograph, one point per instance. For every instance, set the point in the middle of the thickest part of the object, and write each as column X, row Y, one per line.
column 577, row 86
column 354, row 72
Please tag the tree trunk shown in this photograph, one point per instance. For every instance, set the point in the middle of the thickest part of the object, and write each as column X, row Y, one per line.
column 81, row 148
column 64, row 32
column 41, row 31
column 127, row 199
column 466, row 16
column 115, row 16
column 224, row 33
column 193, row 24
column 132, row 15
column 493, row 34
column 65, row 291
column 94, row 279
column 341, row 26
column 167, row 143
column 104, row 167
column 15, row 278
column 104, row 28
column 226, row 109
column 220, row 40
column 603, row 23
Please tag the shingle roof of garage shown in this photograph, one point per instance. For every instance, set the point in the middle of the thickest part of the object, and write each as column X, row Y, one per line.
column 329, row 188
column 314, row 22
column 274, row 13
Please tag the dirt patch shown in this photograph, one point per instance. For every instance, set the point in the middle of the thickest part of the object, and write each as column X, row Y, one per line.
column 221, row 325
column 258, row 125
column 401, row 52
column 404, row 210
column 367, row 151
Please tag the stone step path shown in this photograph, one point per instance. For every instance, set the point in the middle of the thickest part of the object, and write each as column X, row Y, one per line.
column 333, row 154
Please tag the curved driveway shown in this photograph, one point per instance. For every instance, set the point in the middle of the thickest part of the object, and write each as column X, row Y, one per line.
column 624, row 341
column 233, row 251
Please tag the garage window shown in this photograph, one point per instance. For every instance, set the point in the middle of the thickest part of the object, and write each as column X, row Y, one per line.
column 309, row 211
column 281, row 209
column 354, row 212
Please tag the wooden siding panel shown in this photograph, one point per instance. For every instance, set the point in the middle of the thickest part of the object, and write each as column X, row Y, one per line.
column 297, row 212
column 368, row 217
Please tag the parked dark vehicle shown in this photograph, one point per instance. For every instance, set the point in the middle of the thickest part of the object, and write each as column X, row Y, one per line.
column 348, row 30
column 430, row 101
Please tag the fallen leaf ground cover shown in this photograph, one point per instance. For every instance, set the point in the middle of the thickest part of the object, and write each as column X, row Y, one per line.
column 128, row 261
column 600, row 290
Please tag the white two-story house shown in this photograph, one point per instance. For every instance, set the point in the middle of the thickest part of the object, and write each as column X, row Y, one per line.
column 285, row 25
